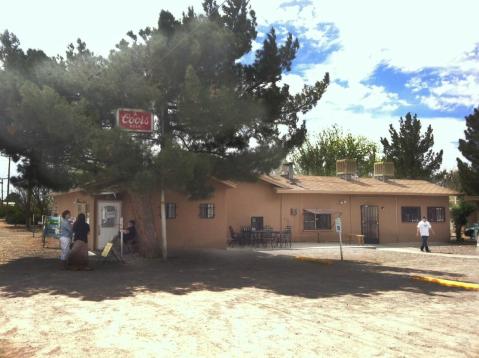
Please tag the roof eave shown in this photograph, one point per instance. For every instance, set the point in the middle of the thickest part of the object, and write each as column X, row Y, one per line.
column 294, row 191
column 270, row 180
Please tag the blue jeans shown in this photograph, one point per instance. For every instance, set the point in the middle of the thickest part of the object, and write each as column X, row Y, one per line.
column 424, row 243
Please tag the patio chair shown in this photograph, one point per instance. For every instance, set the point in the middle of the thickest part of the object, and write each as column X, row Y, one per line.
column 267, row 236
column 286, row 237
column 246, row 237
column 234, row 238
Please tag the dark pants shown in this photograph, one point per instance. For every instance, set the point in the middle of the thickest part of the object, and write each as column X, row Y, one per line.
column 424, row 243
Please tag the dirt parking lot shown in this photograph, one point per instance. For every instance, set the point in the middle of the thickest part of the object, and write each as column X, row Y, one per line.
column 236, row 303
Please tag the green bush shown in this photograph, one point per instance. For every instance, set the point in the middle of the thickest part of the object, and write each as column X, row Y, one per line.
column 3, row 211
column 459, row 214
column 15, row 216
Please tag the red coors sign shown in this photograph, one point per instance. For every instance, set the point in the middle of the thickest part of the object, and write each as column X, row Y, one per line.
column 134, row 120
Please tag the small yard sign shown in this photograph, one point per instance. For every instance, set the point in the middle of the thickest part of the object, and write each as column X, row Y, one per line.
column 338, row 225
column 339, row 230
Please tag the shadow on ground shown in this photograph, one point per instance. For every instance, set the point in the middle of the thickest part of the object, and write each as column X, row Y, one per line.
column 212, row 271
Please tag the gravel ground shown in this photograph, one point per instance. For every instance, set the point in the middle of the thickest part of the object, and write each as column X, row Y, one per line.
column 235, row 303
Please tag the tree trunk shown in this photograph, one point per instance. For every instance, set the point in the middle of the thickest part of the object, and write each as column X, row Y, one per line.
column 145, row 225
column 458, row 233
column 28, row 209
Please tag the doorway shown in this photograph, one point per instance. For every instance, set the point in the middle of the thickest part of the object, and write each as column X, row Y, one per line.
column 370, row 224
column 108, row 222
column 257, row 223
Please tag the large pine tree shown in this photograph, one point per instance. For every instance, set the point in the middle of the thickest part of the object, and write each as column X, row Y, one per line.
column 469, row 147
column 412, row 151
column 218, row 116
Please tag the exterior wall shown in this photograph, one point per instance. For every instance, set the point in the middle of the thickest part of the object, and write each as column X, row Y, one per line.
column 75, row 202
column 407, row 231
column 187, row 230
column 235, row 206
column 253, row 199
column 301, row 202
column 391, row 227
column 260, row 199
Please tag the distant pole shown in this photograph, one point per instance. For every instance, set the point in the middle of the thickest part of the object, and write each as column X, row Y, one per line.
column 121, row 237
column 8, row 177
column 341, row 244
column 164, row 241
column 164, row 250
column 1, row 181
column 339, row 230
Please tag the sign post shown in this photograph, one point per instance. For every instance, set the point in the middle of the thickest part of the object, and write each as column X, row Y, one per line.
column 339, row 230
column 121, row 237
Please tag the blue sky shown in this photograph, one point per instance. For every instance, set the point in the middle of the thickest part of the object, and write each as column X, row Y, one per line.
column 385, row 58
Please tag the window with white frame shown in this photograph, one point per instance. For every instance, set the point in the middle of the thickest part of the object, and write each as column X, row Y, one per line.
column 207, row 211
column 314, row 221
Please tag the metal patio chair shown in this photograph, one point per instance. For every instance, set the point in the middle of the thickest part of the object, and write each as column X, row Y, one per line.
column 286, row 237
column 234, row 238
column 267, row 236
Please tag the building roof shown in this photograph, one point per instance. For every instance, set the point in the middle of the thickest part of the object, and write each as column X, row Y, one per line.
column 360, row 186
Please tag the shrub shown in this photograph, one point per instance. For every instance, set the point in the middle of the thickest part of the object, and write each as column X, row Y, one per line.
column 3, row 211
column 15, row 215
column 459, row 214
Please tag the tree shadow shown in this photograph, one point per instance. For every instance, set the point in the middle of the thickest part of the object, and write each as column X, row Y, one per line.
column 214, row 271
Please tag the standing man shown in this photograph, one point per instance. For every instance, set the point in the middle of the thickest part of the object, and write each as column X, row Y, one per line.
column 423, row 230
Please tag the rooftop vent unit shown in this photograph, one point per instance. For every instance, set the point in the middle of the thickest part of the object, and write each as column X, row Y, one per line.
column 346, row 169
column 288, row 171
column 384, row 170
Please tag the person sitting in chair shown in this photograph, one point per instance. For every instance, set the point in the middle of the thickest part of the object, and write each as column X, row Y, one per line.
column 129, row 235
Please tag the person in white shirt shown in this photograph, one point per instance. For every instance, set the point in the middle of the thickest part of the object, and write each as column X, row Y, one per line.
column 423, row 230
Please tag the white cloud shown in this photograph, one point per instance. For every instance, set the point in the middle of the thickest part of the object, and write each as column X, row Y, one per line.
column 409, row 35
column 456, row 91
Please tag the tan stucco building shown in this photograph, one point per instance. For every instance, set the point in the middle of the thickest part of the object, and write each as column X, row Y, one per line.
column 383, row 211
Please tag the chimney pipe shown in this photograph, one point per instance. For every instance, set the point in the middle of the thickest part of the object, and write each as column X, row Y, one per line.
column 288, row 171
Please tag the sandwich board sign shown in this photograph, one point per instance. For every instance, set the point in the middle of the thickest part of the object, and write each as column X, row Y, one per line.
column 51, row 228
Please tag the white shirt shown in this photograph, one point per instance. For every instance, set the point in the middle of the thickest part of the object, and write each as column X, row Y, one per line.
column 424, row 227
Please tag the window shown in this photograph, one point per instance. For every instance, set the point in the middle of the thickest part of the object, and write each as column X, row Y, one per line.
column 410, row 214
column 207, row 211
column 170, row 210
column 436, row 214
column 317, row 221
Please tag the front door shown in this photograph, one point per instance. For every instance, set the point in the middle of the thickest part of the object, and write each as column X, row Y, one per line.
column 108, row 221
column 257, row 223
column 370, row 224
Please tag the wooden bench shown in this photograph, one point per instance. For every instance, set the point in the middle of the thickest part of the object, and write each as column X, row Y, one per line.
column 358, row 239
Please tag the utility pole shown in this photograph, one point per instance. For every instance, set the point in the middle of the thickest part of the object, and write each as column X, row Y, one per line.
column 164, row 247
column 8, row 177
column 1, row 183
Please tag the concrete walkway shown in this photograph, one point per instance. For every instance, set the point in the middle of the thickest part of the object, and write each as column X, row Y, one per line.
column 410, row 250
